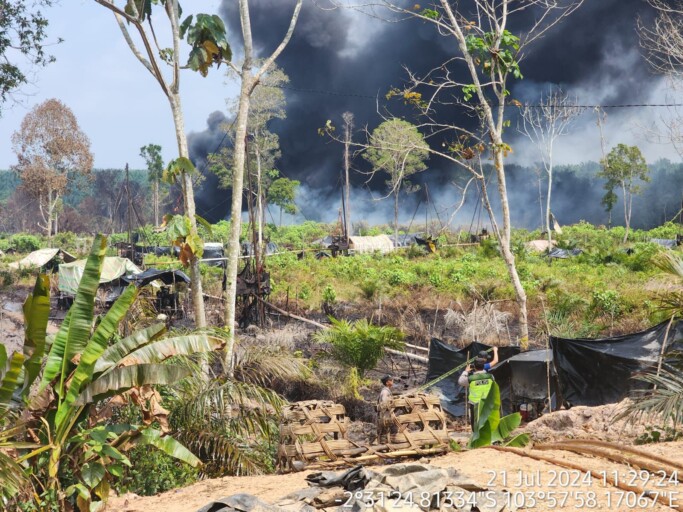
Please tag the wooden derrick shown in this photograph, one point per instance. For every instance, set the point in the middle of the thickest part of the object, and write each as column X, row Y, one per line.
column 314, row 433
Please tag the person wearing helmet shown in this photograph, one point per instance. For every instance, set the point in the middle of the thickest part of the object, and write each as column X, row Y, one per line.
column 384, row 423
column 478, row 382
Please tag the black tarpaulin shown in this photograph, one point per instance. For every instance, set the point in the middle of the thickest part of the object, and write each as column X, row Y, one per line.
column 600, row 371
column 443, row 357
column 529, row 375
column 168, row 277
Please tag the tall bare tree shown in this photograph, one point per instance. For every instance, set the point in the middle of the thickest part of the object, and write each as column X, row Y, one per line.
column 50, row 147
column 486, row 56
column 250, row 73
column 348, row 134
column 544, row 123
column 663, row 45
column 208, row 46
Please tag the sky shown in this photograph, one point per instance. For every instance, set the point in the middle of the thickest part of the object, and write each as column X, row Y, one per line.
column 117, row 102
column 337, row 61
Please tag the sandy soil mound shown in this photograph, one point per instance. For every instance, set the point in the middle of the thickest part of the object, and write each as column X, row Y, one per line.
column 582, row 422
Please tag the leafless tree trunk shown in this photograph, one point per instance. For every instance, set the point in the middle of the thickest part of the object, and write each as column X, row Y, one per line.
column 348, row 128
column 543, row 124
column 249, row 79
column 484, row 87
column 172, row 91
column 155, row 189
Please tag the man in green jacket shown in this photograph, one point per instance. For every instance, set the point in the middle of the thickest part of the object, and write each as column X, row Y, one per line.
column 478, row 383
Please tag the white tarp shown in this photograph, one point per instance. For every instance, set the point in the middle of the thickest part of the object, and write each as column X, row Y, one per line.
column 380, row 243
column 41, row 257
column 70, row 274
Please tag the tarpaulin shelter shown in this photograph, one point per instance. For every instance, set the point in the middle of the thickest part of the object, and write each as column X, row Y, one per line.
column 42, row 257
column 168, row 277
column 443, row 357
column 529, row 375
column 213, row 254
column 600, row 371
column 364, row 244
column 113, row 268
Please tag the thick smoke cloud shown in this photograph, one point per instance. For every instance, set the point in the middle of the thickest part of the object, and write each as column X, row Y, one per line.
column 339, row 61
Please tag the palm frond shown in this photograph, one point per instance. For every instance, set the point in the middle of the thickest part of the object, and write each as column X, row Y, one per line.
column 262, row 365
column 223, row 453
column 664, row 401
column 12, row 478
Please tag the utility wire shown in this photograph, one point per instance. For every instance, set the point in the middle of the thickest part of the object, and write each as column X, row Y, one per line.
column 374, row 98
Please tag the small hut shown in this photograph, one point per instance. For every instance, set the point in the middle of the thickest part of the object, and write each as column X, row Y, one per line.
column 364, row 244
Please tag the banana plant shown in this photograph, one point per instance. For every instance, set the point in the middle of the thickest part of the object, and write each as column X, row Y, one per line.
column 490, row 428
column 82, row 368
column 23, row 367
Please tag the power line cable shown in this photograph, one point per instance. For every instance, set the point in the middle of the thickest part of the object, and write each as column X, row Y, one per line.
column 374, row 98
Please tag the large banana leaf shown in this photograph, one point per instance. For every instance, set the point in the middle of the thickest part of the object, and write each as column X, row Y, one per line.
column 489, row 417
column 73, row 336
column 10, row 376
column 53, row 364
column 3, row 359
column 96, row 346
column 168, row 445
column 113, row 354
column 163, row 349
column 122, row 379
column 506, row 425
column 84, row 303
column 36, row 314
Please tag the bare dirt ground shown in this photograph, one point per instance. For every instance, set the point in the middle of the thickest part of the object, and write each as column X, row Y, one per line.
column 543, row 486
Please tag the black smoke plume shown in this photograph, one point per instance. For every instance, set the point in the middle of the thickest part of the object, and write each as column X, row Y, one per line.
column 340, row 61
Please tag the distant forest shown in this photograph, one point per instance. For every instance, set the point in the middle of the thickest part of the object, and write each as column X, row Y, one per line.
column 99, row 204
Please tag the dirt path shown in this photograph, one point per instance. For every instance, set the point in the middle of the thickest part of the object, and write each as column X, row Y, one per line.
column 544, row 486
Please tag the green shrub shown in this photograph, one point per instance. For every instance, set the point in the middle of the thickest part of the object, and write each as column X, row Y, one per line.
column 360, row 344
column 369, row 287
column 24, row 243
column 152, row 472
column 329, row 295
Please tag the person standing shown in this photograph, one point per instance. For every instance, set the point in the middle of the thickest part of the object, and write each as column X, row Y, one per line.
column 384, row 424
column 478, row 383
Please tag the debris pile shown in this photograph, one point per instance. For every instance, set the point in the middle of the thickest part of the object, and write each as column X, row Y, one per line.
column 401, row 486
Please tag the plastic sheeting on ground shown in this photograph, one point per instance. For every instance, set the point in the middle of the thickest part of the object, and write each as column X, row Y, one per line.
column 600, row 371
column 113, row 268
column 564, row 253
column 443, row 357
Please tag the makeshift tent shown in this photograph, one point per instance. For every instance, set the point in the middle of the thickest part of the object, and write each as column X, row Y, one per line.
column 600, row 371
column 113, row 268
column 247, row 248
column 213, row 254
column 443, row 357
column 540, row 245
column 42, row 257
column 168, row 277
column 363, row 244
column 529, row 375
column 666, row 242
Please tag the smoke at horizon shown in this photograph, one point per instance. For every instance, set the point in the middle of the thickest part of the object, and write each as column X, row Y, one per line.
column 340, row 60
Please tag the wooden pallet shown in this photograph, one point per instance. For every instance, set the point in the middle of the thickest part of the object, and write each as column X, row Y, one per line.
column 314, row 433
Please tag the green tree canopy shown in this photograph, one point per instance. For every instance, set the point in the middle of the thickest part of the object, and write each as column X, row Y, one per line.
column 399, row 149
column 282, row 193
column 623, row 167
column 22, row 41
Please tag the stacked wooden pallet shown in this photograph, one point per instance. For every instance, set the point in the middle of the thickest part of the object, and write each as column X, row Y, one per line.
column 314, row 433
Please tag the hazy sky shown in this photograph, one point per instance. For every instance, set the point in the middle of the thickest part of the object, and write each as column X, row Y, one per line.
column 121, row 107
column 117, row 102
